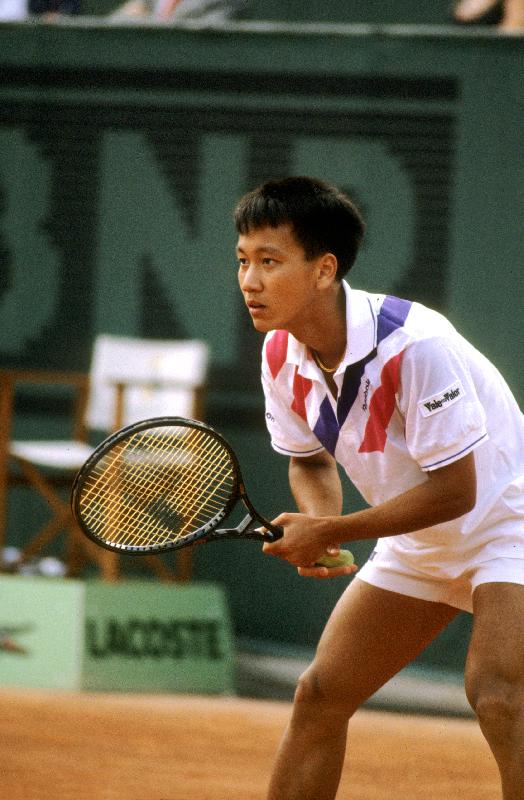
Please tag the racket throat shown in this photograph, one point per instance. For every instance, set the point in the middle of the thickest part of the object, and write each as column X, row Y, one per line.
column 242, row 531
column 243, row 526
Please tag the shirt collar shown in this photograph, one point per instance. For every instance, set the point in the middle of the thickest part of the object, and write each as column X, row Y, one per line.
column 361, row 325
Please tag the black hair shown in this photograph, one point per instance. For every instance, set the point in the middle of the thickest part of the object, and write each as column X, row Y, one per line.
column 323, row 218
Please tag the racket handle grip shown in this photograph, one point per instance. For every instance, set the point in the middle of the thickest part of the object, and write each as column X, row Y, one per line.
column 344, row 559
column 273, row 532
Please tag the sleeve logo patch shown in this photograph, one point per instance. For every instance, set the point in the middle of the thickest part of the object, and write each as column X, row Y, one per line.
column 438, row 402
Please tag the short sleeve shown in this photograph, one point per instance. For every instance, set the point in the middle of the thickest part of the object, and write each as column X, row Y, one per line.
column 444, row 417
column 290, row 434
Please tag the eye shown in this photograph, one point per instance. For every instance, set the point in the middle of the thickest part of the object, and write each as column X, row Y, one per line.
column 268, row 262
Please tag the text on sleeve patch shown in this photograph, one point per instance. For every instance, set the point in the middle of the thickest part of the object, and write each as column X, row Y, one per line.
column 438, row 402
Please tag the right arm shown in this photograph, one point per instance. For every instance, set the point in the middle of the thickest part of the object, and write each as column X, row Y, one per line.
column 315, row 484
column 313, row 479
column 316, row 487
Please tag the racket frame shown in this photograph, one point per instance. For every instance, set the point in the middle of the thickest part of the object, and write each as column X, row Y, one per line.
column 207, row 532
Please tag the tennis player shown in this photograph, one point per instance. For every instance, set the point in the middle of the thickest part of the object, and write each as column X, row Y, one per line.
column 429, row 433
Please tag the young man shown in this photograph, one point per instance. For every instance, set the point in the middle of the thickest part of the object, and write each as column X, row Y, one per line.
column 429, row 433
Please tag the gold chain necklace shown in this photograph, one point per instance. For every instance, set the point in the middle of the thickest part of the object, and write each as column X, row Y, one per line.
column 329, row 370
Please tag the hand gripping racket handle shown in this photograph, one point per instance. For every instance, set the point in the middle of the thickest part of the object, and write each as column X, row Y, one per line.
column 344, row 559
column 272, row 534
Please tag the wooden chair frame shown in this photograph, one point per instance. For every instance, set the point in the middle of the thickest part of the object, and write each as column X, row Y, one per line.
column 78, row 546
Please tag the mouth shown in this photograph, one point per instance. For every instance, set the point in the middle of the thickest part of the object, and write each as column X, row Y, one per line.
column 255, row 308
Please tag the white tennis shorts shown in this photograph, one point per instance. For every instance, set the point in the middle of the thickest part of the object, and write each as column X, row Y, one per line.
column 387, row 570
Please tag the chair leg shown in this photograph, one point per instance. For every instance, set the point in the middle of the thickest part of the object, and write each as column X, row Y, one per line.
column 75, row 555
column 184, row 565
column 3, row 509
column 63, row 520
column 109, row 566
column 36, row 479
column 47, row 534
column 6, row 408
column 159, row 568
column 106, row 561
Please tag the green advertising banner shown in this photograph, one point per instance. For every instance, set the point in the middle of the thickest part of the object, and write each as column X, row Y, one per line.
column 139, row 634
column 41, row 632
column 132, row 636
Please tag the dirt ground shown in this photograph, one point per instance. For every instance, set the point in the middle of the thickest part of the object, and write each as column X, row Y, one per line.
column 79, row 746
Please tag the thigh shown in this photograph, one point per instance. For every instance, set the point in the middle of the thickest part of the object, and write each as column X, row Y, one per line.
column 371, row 634
column 496, row 651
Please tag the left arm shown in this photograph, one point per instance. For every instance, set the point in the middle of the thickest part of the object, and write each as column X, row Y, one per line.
column 448, row 493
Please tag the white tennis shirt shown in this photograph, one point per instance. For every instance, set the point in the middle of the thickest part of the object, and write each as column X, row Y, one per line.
column 413, row 395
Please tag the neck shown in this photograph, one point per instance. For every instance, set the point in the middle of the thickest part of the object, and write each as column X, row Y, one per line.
column 325, row 335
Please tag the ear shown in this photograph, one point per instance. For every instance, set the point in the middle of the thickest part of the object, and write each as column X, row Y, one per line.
column 326, row 270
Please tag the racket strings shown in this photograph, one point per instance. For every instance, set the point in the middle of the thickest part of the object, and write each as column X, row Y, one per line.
column 146, row 485
column 159, row 485
column 153, row 473
column 148, row 499
column 115, row 475
column 216, row 471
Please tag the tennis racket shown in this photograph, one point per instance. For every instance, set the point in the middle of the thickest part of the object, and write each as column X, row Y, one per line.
column 166, row 483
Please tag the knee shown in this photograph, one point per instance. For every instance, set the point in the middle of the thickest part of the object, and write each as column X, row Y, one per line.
column 310, row 689
column 316, row 693
column 497, row 702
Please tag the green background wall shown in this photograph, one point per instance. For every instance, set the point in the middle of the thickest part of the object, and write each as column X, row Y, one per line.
column 437, row 12
column 123, row 151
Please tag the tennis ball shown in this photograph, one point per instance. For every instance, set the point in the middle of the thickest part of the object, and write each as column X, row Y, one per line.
column 344, row 559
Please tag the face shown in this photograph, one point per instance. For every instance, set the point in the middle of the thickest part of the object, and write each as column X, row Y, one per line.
column 277, row 281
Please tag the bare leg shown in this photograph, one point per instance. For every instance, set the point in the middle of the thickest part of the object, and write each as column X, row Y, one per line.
column 476, row 11
column 513, row 15
column 495, row 678
column 369, row 637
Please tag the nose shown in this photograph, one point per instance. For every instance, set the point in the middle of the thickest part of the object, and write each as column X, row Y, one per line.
column 249, row 278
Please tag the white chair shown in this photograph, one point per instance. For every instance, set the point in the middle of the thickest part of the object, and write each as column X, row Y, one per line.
column 130, row 379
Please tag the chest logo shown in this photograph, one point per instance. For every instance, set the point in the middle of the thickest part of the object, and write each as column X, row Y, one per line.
column 367, row 386
column 438, row 402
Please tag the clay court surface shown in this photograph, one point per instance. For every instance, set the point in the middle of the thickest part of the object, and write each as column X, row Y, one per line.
column 68, row 746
